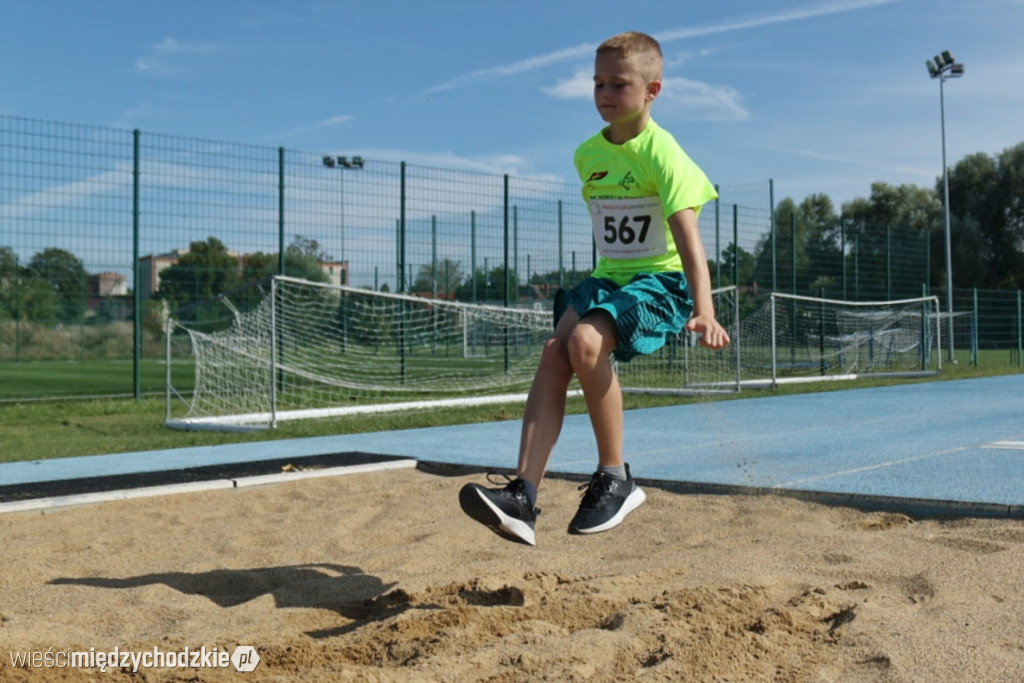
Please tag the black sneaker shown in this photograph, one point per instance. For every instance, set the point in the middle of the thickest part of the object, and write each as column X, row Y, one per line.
column 606, row 503
column 506, row 511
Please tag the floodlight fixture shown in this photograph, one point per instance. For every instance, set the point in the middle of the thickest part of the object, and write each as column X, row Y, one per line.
column 344, row 162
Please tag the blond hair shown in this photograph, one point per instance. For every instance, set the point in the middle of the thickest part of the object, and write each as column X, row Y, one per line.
column 640, row 49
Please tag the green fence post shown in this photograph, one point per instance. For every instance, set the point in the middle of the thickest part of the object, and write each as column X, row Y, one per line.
column 792, row 285
column 401, row 231
column 1020, row 336
column 821, row 332
column 974, row 330
column 136, row 269
column 928, row 257
column 561, row 247
column 856, row 267
column 401, row 272
column 842, row 254
column 735, row 244
column 718, row 241
column 280, row 211
column 17, row 315
column 507, row 274
column 771, row 232
column 472, row 252
column 515, row 253
column 433, row 255
column 792, row 254
column 888, row 261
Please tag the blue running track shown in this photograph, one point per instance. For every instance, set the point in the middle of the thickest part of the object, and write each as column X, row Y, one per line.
column 944, row 447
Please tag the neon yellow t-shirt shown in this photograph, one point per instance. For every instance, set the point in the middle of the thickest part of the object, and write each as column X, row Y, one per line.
column 631, row 189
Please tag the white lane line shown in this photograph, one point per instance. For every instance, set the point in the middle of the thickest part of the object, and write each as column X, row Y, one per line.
column 868, row 468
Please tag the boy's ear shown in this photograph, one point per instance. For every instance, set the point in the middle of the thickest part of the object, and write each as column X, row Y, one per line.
column 653, row 88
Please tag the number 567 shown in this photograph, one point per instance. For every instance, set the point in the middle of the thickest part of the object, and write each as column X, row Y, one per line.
column 625, row 231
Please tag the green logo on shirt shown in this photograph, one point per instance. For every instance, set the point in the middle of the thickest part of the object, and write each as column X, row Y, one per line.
column 627, row 180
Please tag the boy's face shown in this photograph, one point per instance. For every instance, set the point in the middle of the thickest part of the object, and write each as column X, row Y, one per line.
column 621, row 92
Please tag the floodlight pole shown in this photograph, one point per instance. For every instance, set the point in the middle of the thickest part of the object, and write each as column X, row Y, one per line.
column 944, row 66
column 343, row 163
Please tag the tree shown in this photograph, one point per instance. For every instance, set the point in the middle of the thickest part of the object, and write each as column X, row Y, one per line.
column 66, row 275
column 9, row 287
column 885, row 238
column 986, row 198
column 823, row 245
column 443, row 279
column 905, row 205
column 743, row 263
column 207, row 270
column 302, row 259
column 1011, row 177
column 38, row 301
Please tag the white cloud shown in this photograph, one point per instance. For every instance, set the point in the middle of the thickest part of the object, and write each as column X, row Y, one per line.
column 820, row 9
column 495, row 165
column 330, row 121
column 565, row 54
column 579, row 87
column 528, row 64
column 148, row 66
column 334, row 120
column 173, row 46
column 155, row 63
column 695, row 100
column 680, row 98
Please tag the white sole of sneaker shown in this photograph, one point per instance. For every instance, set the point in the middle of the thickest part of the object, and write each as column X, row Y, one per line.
column 632, row 502
column 477, row 506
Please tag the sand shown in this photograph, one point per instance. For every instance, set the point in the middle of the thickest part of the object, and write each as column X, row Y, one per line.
column 379, row 577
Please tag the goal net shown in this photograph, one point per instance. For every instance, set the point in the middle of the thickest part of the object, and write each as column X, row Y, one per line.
column 799, row 338
column 291, row 349
column 306, row 349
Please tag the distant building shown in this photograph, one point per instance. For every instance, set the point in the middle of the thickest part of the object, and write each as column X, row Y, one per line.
column 107, row 284
column 336, row 271
column 150, row 267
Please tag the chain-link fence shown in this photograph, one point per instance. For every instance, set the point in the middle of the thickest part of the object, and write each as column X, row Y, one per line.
column 103, row 232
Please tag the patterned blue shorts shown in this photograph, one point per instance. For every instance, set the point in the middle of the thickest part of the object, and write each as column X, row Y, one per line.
column 647, row 309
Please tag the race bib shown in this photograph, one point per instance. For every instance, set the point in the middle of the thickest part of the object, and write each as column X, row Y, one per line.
column 628, row 228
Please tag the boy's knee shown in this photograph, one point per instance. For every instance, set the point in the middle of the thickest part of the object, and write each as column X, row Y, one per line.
column 585, row 346
column 554, row 354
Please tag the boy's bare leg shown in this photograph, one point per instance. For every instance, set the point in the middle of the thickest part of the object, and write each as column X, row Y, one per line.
column 590, row 346
column 545, row 406
column 581, row 348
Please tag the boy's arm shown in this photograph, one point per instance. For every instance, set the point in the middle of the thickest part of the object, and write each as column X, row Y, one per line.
column 683, row 225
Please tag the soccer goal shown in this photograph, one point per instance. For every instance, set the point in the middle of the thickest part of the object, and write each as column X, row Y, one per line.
column 287, row 349
column 293, row 349
column 800, row 338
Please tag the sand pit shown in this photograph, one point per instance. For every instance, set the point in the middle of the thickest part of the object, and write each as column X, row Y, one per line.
column 379, row 577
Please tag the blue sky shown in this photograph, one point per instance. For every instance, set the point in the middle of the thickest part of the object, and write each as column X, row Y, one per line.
column 822, row 96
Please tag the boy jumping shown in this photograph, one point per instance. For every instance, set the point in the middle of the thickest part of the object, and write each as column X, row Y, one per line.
column 644, row 195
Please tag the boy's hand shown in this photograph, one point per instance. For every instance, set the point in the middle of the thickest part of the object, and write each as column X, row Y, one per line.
column 712, row 335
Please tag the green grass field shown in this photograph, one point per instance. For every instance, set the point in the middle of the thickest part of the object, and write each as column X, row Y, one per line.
column 48, row 379
column 35, row 430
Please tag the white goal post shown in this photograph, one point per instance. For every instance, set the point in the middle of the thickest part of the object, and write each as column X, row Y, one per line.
column 817, row 338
